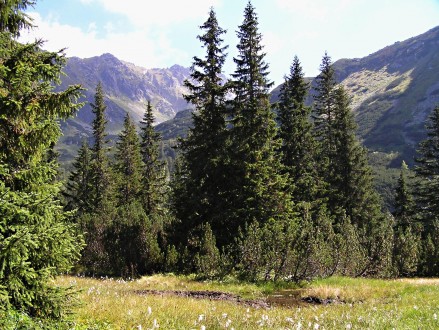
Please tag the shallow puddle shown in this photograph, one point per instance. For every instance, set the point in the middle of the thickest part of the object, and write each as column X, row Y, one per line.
column 287, row 298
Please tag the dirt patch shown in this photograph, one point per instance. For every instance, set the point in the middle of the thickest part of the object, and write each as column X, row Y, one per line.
column 291, row 298
column 211, row 295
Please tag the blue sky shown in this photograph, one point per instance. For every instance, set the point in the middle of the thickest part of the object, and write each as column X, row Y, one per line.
column 161, row 33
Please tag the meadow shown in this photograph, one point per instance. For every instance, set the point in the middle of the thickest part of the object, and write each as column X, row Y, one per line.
column 159, row 302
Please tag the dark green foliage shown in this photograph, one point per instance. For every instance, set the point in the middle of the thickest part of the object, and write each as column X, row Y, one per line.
column 100, row 170
column 132, row 241
column 427, row 192
column 78, row 188
column 203, row 166
column 257, row 185
column 12, row 17
column 154, row 184
column 427, row 169
column 295, row 130
column 207, row 260
column 128, row 164
column 36, row 240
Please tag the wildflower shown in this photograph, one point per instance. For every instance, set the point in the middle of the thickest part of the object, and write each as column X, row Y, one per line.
column 155, row 324
column 316, row 326
column 228, row 322
column 224, row 315
column 200, row 317
column 289, row 319
column 348, row 326
column 299, row 325
column 139, row 327
column 435, row 316
column 149, row 310
column 202, row 327
column 416, row 307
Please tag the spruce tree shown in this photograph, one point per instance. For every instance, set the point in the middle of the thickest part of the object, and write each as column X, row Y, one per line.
column 78, row 189
column 295, row 132
column 258, row 185
column 100, row 164
column 324, row 103
column 427, row 170
column 406, row 246
column 351, row 189
column 204, row 157
column 128, row 164
column 37, row 241
column 154, row 185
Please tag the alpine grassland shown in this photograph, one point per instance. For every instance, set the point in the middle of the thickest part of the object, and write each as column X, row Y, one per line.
column 169, row 302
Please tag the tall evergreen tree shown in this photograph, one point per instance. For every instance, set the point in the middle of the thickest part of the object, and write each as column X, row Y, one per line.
column 36, row 241
column 78, row 189
column 404, row 204
column 128, row 164
column 406, row 246
column 100, row 165
column 351, row 189
column 427, row 170
column 258, row 185
column 154, row 185
column 204, row 150
column 295, row 132
column 324, row 102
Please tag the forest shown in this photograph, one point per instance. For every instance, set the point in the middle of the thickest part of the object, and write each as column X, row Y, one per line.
column 260, row 191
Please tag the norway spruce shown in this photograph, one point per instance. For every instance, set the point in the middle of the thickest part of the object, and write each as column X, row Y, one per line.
column 37, row 242
column 203, row 152
column 256, row 181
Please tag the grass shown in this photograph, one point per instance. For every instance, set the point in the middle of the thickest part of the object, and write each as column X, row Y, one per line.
column 364, row 304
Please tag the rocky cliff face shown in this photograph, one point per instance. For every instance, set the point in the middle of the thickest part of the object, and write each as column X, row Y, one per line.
column 127, row 88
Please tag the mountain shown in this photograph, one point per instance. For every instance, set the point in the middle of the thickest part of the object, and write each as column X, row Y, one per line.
column 393, row 91
column 127, row 88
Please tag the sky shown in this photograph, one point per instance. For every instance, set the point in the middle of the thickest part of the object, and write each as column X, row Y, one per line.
column 161, row 33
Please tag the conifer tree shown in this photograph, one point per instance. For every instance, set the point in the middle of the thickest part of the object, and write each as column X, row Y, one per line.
column 128, row 164
column 100, row 165
column 154, row 185
column 427, row 170
column 258, row 185
column 37, row 242
column 324, row 103
column 406, row 246
column 351, row 188
column 295, row 132
column 204, row 157
column 78, row 188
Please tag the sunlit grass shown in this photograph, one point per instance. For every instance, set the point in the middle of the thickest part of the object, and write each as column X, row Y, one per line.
column 362, row 304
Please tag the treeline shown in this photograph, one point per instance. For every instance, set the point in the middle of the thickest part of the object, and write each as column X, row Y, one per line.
column 261, row 191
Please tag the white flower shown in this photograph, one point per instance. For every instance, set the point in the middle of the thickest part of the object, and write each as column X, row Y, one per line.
column 149, row 310
column 316, row 326
column 348, row 326
column 155, row 324
column 228, row 322
column 224, row 315
column 203, row 327
column 289, row 319
column 139, row 327
column 435, row 316
column 200, row 317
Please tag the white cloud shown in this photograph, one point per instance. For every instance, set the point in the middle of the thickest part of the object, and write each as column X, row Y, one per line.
column 140, row 47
